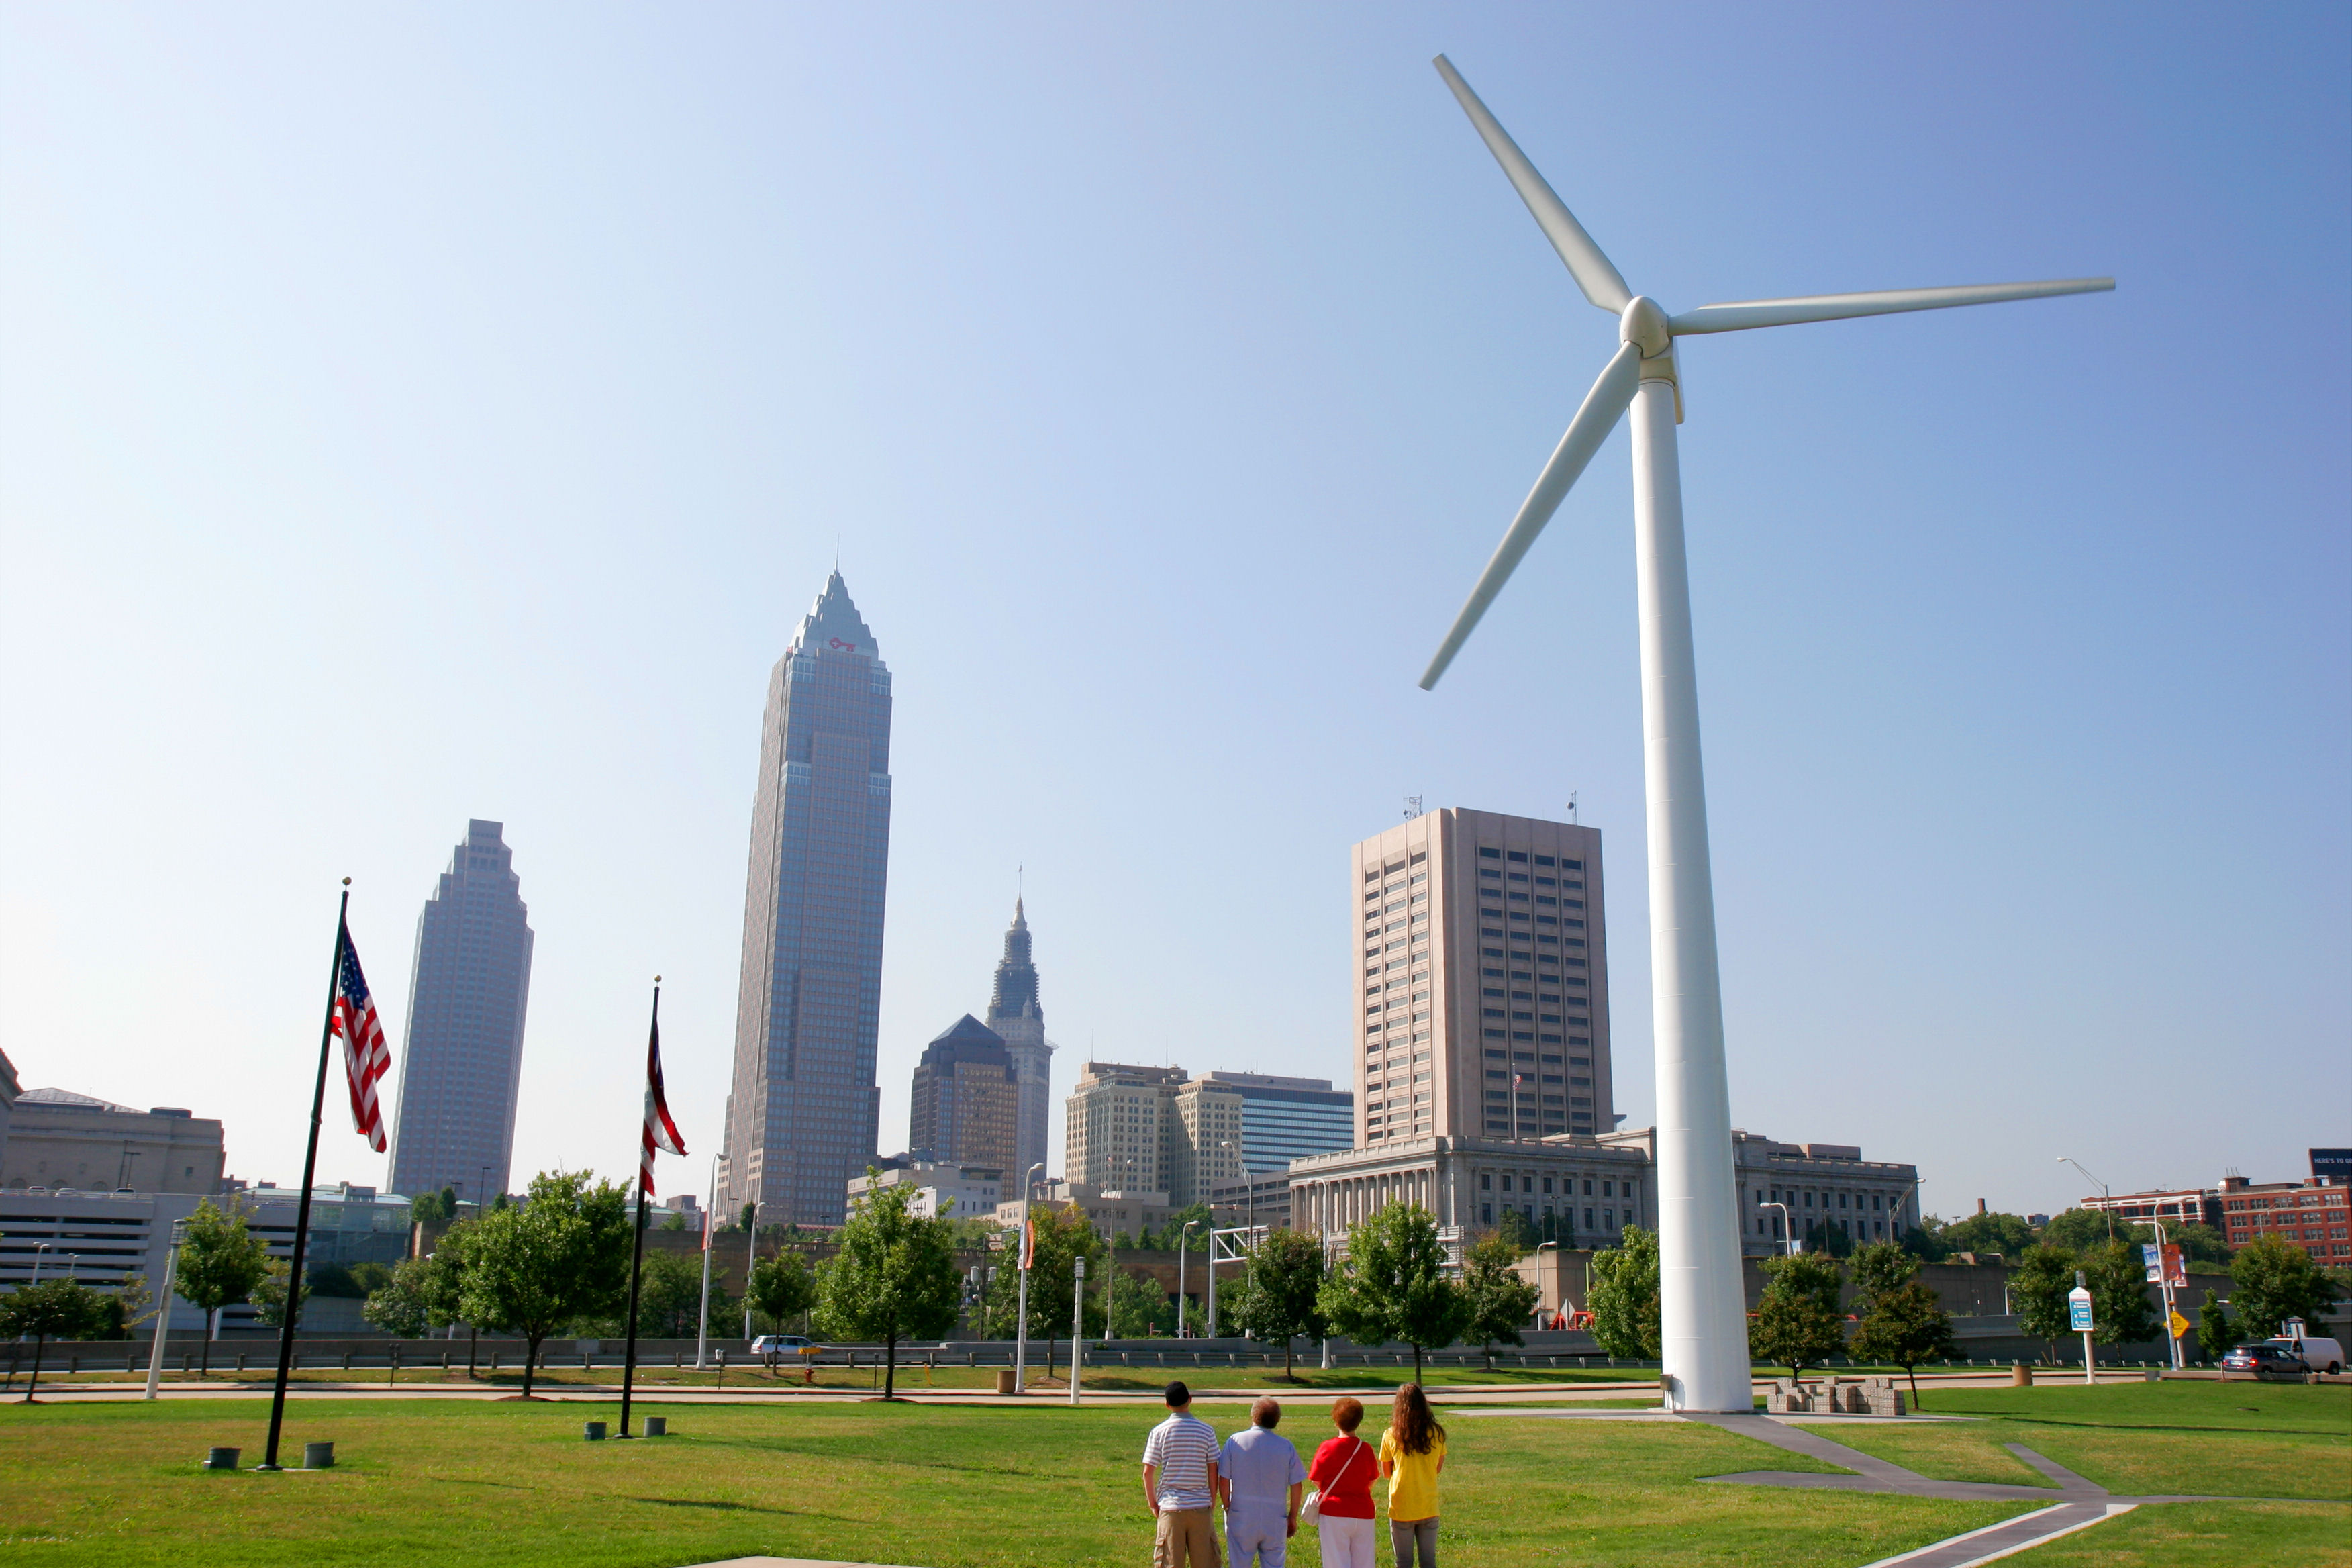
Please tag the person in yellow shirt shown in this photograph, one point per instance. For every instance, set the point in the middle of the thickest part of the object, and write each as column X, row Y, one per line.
column 1413, row 1451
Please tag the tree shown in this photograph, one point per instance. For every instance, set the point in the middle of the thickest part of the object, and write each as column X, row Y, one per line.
column 1797, row 1319
column 1903, row 1323
column 220, row 1263
column 749, row 1217
column 1279, row 1299
column 2039, row 1291
column 2271, row 1280
column 1500, row 1301
column 559, row 1256
column 1925, row 1241
column 422, row 1293
column 894, row 1278
column 1063, row 1235
column 2214, row 1336
column 1623, row 1297
column 1392, row 1285
column 1138, row 1305
column 2006, row 1233
column 1518, row 1232
column 55, row 1309
column 2120, row 1305
column 2079, row 1229
column 670, row 1297
column 433, row 1208
column 269, row 1296
column 781, row 1286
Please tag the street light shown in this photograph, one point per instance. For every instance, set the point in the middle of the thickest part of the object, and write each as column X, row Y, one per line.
column 1020, row 1310
column 1788, row 1223
column 1183, row 1240
column 163, row 1309
column 37, row 1261
column 2106, row 1194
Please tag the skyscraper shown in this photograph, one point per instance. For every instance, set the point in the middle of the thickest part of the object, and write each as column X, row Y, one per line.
column 1020, row 1022
column 964, row 1103
column 466, row 994
column 804, row 1111
column 1485, row 979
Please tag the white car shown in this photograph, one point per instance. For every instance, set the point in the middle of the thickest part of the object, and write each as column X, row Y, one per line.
column 784, row 1344
column 2319, row 1355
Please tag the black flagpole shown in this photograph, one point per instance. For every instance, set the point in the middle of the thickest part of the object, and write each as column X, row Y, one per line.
column 310, row 1173
column 637, row 1259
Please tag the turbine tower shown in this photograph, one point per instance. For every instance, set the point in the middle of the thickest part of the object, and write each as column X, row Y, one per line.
column 1704, row 1312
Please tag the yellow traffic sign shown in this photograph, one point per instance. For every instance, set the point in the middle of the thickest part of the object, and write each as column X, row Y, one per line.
column 2179, row 1324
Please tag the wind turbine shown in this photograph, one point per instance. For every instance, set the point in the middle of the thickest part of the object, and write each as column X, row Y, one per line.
column 1705, row 1325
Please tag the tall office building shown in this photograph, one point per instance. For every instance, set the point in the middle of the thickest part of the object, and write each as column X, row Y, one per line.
column 454, row 1126
column 1287, row 1118
column 1485, row 980
column 1013, row 1012
column 965, row 1099
column 804, row 1111
column 1123, row 1134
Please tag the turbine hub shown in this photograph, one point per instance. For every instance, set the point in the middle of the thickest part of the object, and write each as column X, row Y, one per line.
column 1644, row 324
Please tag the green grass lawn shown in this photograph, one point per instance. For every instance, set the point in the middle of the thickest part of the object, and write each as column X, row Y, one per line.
column 466, row 1482
column 471, row 1482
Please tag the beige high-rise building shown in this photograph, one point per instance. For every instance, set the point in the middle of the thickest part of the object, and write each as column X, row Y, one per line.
column 1153, row 1130
column 1121, row 1127
column 1485, row 980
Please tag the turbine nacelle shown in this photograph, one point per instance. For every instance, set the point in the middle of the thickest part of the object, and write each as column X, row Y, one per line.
column 1645, row 326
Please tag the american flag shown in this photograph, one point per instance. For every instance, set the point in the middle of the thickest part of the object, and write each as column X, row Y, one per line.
column 661, row 1133
column 366, row 1057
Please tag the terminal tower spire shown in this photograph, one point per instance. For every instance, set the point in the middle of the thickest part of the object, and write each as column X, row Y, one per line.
column 1014, row 1013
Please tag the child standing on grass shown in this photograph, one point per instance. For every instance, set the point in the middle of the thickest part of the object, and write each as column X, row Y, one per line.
column 1413, row 1451
column 1342, row 1471
column 1179, row 1483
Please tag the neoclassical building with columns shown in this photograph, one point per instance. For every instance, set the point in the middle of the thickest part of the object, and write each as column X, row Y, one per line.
column 1590, row 1188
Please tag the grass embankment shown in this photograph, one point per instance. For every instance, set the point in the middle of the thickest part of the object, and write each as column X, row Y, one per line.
column 466, row 1483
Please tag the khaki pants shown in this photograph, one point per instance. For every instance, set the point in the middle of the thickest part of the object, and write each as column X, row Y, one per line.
column 1185, row 1540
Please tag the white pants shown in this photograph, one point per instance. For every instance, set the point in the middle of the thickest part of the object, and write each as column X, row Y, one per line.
column 1347, row 1543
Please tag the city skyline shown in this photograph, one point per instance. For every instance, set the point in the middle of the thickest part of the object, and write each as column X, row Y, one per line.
column 358, row 359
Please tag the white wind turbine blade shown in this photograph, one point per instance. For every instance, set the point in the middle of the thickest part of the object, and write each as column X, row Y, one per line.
column 1593, row 272
column 1603, row 406
column 1749, row 313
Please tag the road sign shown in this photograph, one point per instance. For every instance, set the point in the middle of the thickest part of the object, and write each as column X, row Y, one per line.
column 2078, row 1311
column 2179, row 1325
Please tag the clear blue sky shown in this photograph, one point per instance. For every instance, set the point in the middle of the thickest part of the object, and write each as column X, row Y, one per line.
column 410, row 414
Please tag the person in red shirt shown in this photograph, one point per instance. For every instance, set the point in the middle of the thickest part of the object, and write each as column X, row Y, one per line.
column 1343, row 1471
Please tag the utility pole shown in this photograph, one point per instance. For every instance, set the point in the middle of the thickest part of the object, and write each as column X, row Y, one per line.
column 1021, row 1326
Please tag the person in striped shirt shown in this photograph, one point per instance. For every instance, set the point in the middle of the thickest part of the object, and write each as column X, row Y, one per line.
column 1179, row 1483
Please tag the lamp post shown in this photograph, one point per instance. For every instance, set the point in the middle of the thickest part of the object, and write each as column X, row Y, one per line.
column 1183, row 1240
column 2164, row 1288
column 1077, row 1325
column 1788, row 1223
column 37, row 1261
column 163, row 1305
column 1021, row 1311
column 2106, row 1195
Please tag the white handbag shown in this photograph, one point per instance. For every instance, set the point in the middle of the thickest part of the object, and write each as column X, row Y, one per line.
column 1311, row 1509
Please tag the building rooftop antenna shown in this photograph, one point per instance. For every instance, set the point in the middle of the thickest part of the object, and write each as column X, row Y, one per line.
column 1412, row 807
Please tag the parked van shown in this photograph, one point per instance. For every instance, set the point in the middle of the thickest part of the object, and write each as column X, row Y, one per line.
column 2319, row 1355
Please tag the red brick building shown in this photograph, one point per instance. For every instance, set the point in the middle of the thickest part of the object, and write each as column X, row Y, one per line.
column 2313, row 1215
